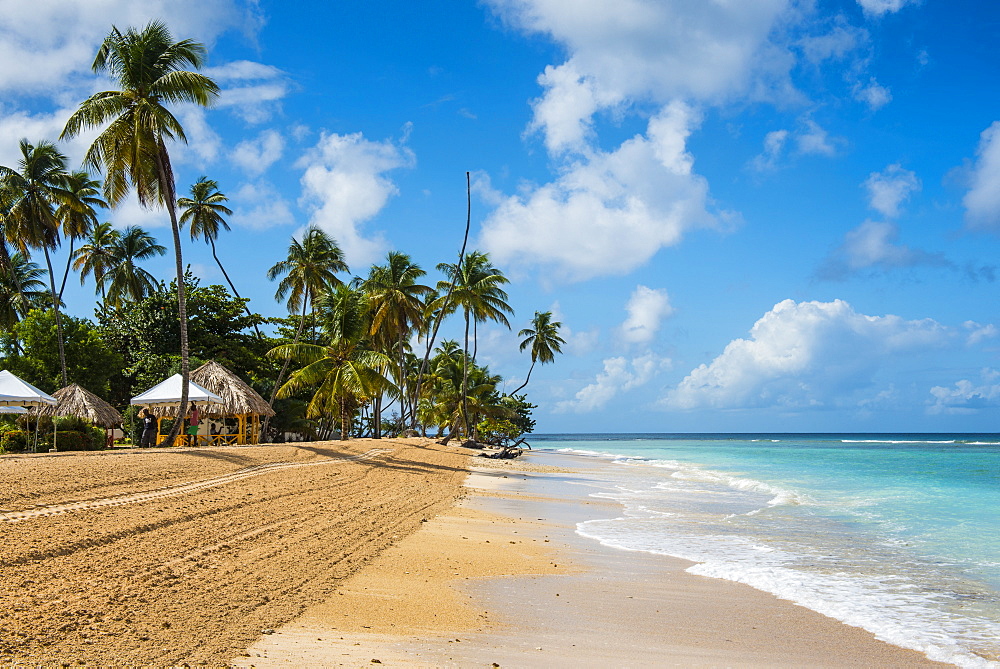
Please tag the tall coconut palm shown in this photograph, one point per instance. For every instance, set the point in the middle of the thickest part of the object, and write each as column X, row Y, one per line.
column 124, row 280
column 310, row 267
column 203, row 214
column 131, row 149
column 345, row 372
column 21, row 290
column 33, row 192
column 397, row 308
column 475, row 288
column 77, row 213
column 97, row 256
column 442, row 307
column 544, row 340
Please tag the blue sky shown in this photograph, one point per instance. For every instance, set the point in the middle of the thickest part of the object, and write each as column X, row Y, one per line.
column 775, row 215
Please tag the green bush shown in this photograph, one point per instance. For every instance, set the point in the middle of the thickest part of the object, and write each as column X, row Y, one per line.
column 14, row 440
column 73, row 440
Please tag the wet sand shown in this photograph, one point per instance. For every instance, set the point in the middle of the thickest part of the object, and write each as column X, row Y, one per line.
column 501, row 579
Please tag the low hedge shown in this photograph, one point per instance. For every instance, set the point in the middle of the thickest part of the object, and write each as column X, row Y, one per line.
column 73, row 440
column 68, row 440
column 14, row 440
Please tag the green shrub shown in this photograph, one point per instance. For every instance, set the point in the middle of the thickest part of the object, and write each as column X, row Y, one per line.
column 74, row 423
column 15, row 440
column 73, row 440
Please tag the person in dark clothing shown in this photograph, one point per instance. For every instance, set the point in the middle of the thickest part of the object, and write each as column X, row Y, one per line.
column 149, row 429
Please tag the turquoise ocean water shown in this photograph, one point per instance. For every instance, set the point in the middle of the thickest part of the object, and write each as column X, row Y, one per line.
column 895, row 533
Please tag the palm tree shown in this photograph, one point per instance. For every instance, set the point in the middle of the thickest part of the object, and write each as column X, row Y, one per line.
column 77, row 214
column 21, row 290
column 345, row 372
column 32, row 194
column 442, row 306
column 204, row 212
column 475, row 287
column 97, row 255
column 132, row 151
column 310, row 268
column 124, row 280
column 544, row 340
column 397, row 308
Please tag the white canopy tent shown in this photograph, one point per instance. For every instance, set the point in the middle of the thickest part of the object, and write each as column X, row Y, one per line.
column 16, row 392
column 165, row 398
column 169, row 393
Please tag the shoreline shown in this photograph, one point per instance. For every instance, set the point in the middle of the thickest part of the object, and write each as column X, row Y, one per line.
column 514, row 585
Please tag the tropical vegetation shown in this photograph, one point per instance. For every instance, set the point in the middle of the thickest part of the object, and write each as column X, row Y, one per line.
column 357, row 354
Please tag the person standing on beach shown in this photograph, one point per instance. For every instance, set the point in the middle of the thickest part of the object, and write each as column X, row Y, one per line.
column 194, row 417
column 149, row 429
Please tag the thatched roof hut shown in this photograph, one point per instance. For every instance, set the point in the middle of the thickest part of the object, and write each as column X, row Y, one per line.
column 238, row 397
column 76, row 401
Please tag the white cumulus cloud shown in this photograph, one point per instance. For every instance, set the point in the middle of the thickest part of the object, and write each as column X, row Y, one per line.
column 803, row 354
column 651, row 50
column 49, row 45
column 875, row 245
column 890, row 188
column 610, row 213
column 965, row 396
column 255, row 156
column 982, row 201
column 881, row 7
column 620, row 374
column 874, row 94
column 345, row 184
column 261, row 206
column 646, row 308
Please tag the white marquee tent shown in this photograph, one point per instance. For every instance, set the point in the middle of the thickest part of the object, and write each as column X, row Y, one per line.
column 16, row 392
column 169, row 393
column 19, row 393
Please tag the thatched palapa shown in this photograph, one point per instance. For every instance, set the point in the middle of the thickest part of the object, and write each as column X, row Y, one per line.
column 238, row 397
column 76, row 401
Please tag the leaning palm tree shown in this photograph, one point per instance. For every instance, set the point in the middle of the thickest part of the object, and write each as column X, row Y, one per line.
column 97, row 256
column 131, row 149
column 32, row 194
column 475, row 288
column 544, row 340
column 309, row 269
column 397, row 308
column 203, row 214
column 77, row 214
column 21, row 290
column 124, row 280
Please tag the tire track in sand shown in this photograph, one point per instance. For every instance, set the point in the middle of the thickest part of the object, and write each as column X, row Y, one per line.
column 181, row 489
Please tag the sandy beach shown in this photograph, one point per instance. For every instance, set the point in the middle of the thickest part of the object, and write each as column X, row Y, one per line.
column 501, row 579
column 166, row 556
column 357, row 554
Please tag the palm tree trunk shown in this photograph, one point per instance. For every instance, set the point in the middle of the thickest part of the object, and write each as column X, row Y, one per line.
column 230, row 282
column 447, row 298
column 343, row 420
column 167, row 193
column 528, row 378
column 465, row 379
column 55, row 307
column 404, row 409
column 69, row 260
column 284, row 367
